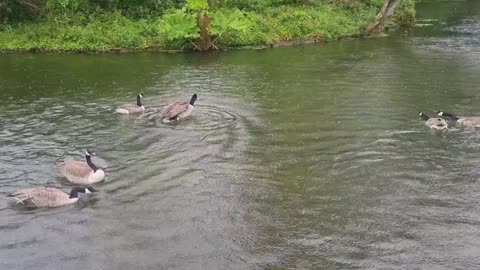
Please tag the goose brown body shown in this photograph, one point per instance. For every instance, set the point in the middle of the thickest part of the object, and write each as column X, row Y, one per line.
column 471, row 121
column 132, row 108
column 43, row 197
column 178, row 110
column 81, row 172
column 434, row 123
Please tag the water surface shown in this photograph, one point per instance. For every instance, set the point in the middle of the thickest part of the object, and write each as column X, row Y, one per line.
column 294, row 158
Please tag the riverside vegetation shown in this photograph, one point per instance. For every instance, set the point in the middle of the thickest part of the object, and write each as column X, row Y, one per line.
column 106, row 25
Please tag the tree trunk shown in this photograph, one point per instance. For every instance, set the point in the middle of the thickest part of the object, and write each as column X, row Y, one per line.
column 386, row 12
column 204, row 42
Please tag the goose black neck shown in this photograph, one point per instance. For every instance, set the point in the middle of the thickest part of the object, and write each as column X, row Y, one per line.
column 450, row 115
column 193, row 99
column 90, row 163
column 74, row 193
column 424, row 117
column 139, row 101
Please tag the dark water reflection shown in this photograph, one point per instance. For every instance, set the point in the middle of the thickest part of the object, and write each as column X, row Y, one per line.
column 304, row 157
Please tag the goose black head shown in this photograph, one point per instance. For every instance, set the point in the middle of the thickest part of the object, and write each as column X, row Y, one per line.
column 90, row 153
column 423, row 116
column 76, row 190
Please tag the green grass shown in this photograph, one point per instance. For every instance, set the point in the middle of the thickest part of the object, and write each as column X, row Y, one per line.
column 295, row 23
column 110, row 31
column 115, row 31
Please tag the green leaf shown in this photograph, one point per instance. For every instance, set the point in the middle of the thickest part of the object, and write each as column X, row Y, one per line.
column 178, row 26
column 229, row 20
column 197, row 5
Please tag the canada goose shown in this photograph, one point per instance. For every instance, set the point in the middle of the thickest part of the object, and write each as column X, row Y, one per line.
column 132, row 108
column 473, row 121
column 48, row 196
column 434, row 123
column 177, row 110
column 80, row 172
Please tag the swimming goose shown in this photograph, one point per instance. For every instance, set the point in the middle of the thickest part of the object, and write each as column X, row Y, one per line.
column 473, row 121
column 132, row 108
column 48, row 196
column 434, row 123
column 80, row 172
column 177, row 110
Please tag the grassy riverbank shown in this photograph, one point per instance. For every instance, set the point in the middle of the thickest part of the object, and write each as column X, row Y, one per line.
column 232, row 26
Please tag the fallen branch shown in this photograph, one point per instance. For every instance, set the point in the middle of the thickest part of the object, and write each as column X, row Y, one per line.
column 388, row 9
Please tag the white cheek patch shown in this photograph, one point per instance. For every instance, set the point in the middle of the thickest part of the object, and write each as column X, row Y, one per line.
column 86, row 153
column 87, row 191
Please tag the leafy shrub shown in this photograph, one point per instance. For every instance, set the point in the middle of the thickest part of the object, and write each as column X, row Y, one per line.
column 177, row 28
column 405, row 13
column 197, row 5
column 14, row 10
column 227, row 20
column 258, row 5
column 259, row 32
column 65, row 8
column 103, row 24
column 145, row 8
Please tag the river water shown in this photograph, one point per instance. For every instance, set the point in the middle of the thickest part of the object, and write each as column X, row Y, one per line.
column 309, row 157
